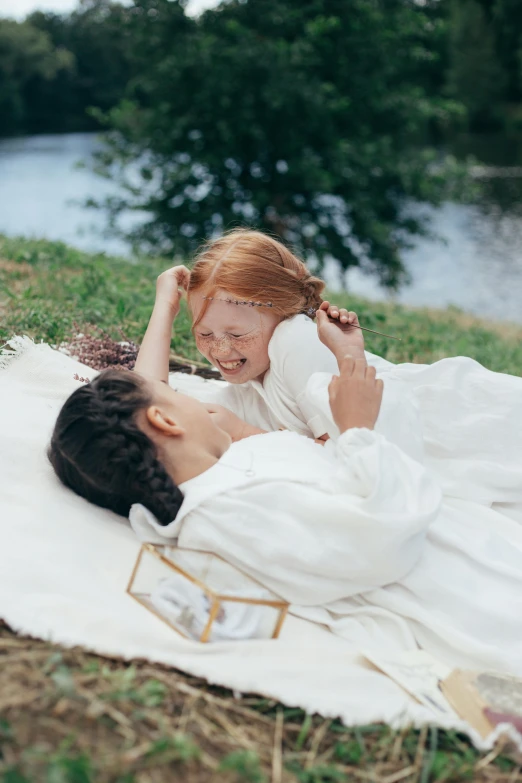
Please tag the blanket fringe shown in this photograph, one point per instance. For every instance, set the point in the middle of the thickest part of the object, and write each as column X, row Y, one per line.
column 13, row 349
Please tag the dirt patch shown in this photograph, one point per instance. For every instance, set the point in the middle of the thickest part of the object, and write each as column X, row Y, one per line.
column 14, row 276
column 15, row 267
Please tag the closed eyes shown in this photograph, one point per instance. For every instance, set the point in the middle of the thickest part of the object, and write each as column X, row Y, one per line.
column 229, row 334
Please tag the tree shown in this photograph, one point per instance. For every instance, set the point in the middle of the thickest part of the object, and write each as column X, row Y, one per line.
column 25, row 54
column 476, row 75
column 96, row 34
column 506, row 16
column 303, row 117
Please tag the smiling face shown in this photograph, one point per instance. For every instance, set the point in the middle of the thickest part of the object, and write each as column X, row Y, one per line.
column 234, row 338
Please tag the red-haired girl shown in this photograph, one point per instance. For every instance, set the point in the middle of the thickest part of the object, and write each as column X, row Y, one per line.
column 252, row 303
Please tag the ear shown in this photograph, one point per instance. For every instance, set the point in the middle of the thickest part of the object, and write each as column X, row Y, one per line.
column 162, row 422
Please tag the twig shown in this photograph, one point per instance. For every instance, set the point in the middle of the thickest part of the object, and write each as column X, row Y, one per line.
column 316, row 742
column 277, row 755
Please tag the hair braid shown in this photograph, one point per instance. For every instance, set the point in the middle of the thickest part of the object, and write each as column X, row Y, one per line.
column 98, row 450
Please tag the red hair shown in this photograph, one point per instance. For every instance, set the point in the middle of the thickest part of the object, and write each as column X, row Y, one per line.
column 255, row 267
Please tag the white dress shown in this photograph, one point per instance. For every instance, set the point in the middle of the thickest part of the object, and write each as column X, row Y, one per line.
column 460, row 420
column 359, row 538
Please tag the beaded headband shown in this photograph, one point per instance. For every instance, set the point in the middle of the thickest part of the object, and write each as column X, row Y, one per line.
column 310, row 312
column 238, row 302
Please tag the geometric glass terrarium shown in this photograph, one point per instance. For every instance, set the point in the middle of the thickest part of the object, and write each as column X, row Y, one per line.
column 203, row 597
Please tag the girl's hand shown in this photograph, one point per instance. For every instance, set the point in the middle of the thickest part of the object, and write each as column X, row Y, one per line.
column 229, row 422
column 346, row 321
column 356, row 395
column 339, row 334
column 168, row 287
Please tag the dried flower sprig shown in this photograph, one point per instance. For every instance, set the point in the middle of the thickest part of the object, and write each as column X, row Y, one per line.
column 93, row 347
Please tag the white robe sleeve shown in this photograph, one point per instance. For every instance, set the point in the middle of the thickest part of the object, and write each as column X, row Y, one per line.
column 296, row 353
column 399, row 417
column 316, row 544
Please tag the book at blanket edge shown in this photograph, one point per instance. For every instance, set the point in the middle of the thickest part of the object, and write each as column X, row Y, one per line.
column 484, row 699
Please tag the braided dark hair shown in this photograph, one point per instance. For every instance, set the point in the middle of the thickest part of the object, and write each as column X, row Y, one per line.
column 98, row 450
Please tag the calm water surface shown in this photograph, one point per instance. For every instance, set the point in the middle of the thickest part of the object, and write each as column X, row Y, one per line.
column 476, row 264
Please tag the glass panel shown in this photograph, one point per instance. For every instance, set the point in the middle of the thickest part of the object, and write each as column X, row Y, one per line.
column 221, row 577
column 187, row 600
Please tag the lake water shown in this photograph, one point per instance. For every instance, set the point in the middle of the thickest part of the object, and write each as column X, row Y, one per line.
column 475, row 264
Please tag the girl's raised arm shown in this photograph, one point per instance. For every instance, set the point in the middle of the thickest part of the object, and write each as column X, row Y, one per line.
column 153, row 356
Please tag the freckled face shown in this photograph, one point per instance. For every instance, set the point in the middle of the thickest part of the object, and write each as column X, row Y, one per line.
column 234, row 338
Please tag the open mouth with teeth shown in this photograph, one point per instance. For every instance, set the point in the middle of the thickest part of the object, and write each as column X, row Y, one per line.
column 230, row 367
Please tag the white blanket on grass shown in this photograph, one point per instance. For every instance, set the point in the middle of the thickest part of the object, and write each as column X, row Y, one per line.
column 64, row 566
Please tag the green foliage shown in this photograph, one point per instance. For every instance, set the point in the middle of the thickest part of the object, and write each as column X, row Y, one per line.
column 506, row 19
column 179, row 748
column 304, row 732
column 96, row 35
column 53, row 67
column 476, row 75
column 66, row 769
column 303, row 118
column 245, row 765
column 315, row 119
column 321, row 774
column 59, row 767
column 27, row 55
column 13, row 776
column 151, row 693
column 485, row 59
column 349, row 752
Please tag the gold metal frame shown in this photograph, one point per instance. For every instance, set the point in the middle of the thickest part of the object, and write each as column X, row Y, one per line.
column 216, row 598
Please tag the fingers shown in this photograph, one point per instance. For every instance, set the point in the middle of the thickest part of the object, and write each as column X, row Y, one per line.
column 323, row 319
column 340, row 314
column 180, row 273
column 183, row 276
column 321, row 316
column 348, row 318
column 333, row 312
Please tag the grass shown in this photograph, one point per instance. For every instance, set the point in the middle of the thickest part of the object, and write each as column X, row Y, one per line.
column 68, row 716
column 47, row 287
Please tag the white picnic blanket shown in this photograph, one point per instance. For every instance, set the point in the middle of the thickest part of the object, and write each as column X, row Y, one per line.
column 64, row 566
